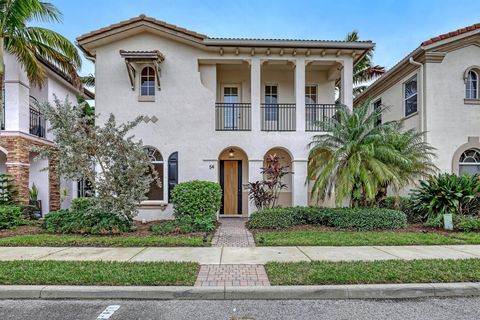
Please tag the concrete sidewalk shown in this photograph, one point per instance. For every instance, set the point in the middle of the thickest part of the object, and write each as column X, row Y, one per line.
column 227, row 255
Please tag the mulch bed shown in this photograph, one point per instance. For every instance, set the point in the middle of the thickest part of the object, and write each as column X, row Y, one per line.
column 143, row 230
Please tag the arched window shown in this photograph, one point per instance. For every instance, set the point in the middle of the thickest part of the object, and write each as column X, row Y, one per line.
column 156, row 187
column 147, row 82
column 472, row 85
column 470, row 162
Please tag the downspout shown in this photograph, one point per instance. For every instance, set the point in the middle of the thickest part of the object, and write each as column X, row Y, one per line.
column 422, row 115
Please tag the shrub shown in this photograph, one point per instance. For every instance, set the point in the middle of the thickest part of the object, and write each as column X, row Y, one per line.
column 467, row 223
column 405, row 204
column 83, row 217
column 196, row 203
column 342, row 218
column 171, row 227
column 10, row 217
column 277, row 218
column 447, row 193
column 369, row 219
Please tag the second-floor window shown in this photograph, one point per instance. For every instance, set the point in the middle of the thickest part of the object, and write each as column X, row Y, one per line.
column 410, row 96
column 147, row 82
column 271, row 102
column 472, row 85
column 310, row 94
column 377, row 105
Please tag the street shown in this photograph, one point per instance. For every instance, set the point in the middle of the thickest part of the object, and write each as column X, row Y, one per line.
column 459, row 308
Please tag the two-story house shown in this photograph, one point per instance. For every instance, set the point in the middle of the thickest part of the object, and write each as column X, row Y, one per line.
column 213, row 108
column 23, row 126
column 435, row 89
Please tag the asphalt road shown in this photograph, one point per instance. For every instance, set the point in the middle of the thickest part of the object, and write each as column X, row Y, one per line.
column 461, row 308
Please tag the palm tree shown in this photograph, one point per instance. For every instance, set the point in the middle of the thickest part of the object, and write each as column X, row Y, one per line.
column 34, row 45
column 364, row 71
column 358, row 156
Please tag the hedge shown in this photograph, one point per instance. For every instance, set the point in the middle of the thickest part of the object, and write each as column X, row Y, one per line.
column 342, row 218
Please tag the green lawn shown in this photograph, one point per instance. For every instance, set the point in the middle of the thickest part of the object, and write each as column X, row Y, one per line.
column 98, row 273
column 360, row 238
column 390, row 271
column 53, row 240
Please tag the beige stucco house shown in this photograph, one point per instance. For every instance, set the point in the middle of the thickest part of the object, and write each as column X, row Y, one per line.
column 23, row 126
column 213, row 108
column 435, row 89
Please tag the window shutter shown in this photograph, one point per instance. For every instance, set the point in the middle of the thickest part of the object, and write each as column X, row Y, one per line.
column 172, row 173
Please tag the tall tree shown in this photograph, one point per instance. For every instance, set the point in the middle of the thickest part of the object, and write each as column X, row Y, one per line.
column 30, row 45
column 364, row 71
column 358, row 157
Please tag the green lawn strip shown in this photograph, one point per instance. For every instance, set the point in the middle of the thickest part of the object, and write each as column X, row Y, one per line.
column 53, row 240
column 98, row 273
column 360, row 272
column 360, row 238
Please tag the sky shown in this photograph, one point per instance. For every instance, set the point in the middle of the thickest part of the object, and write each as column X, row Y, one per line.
column 397, row 27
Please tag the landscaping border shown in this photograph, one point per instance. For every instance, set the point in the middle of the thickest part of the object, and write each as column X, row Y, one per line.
column 371, row 291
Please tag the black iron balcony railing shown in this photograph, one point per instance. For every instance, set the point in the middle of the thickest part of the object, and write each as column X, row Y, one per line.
column 317, row 114
column 233, row 117
column 37, row 123
column 278, row 116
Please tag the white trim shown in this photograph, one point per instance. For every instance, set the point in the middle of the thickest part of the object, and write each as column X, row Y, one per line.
column 17, row 164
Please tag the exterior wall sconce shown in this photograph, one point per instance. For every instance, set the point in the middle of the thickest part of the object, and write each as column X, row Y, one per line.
column 231, row 153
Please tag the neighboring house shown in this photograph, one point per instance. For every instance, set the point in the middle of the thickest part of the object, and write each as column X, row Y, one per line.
column 24, row 126
column 435, row 89
column 213, row 108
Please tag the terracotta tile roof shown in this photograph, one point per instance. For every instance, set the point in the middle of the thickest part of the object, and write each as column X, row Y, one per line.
column 142, row 17
column 451, row 34
column 194, row 34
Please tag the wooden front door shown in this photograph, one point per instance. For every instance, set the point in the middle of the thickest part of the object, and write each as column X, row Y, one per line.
column 231, row 182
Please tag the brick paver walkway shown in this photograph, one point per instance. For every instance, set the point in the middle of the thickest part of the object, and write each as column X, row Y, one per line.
column 232, row 275
column 233, row 233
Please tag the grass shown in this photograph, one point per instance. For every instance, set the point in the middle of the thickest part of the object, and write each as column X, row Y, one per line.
column 98, row 273
column 54, row 240
column 360, row 238
column 389, row 271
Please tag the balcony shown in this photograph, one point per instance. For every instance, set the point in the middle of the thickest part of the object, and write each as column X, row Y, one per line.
column 278, row 116
column 37, row 123
column 317, row 114
column 233, row 117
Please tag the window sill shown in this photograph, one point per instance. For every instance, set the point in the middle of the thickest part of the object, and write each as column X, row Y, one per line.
column 409, row 116
column 472, row 101
column 146, row 98
column 149, row 204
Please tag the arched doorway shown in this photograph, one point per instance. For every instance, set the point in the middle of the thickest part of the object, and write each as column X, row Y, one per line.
column 233, row 174
column 285, row 198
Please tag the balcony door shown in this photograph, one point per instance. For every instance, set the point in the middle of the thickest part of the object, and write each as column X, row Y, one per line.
column 231, row 98
column 271, row 102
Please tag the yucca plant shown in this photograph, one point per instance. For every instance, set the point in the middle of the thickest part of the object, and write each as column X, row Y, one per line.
column 447, row 193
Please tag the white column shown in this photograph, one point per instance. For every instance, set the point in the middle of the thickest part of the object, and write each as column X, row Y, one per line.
column 255, row 91
column 254, row 174
column 346, row 92
column 300, row 188
column 300, row 93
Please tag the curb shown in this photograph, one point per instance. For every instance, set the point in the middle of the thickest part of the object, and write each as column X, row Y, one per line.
column 369, row 291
